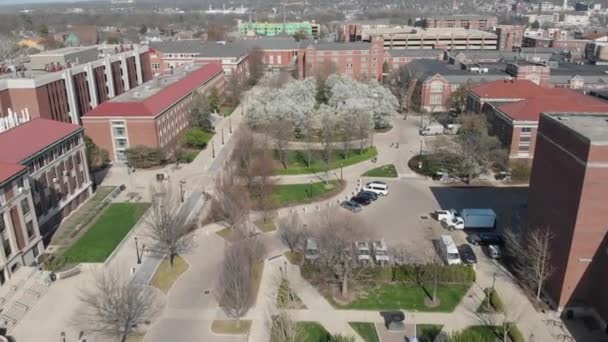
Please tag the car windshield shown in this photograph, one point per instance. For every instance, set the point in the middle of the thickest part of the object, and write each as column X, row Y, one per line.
column 453, row 256
column 380, row 253
column 363, row 252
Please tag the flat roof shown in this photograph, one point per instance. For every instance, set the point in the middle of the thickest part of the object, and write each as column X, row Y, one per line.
column 201, row 48
column 66, row 50
column 593, row 127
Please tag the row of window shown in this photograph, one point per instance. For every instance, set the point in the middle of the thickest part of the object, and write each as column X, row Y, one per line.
column 55, row 153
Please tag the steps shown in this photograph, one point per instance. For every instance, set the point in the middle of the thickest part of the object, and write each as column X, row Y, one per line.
column 21, row 293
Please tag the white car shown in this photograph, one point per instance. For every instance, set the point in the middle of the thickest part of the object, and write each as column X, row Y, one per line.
column 311, row 252
column 363, row 252
column 380, row 252
column 379, row 188
column 450, row 219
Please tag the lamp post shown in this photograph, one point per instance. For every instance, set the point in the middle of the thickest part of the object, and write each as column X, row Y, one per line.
column 137, row 250
column 212, row 149
column 230, row 125
column 341, row 175
column 62, row 336
column 310, row 188
column 222, row 135
column 181, row 189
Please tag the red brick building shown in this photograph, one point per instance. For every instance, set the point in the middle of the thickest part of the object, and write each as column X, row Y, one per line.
column 466, row 21
column 361, row 60
column 153, row 115
column 65, row 84
column 568, row 194
column 510, row 37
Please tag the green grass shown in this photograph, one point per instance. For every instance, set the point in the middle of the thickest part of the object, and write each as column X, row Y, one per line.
column 287, row 299
column 294, row 257
column 189, row 156
column 389, row 171
column 227, row 110
column 491, row 302
column 296, row 160
column 265, row 227
column 109, row 230
column 289, row 194
column 230, row 327
column 366, row 330
column 477, row 333
column 314, row 331
column 408, row 297
column 428, row 332
column 166, row 275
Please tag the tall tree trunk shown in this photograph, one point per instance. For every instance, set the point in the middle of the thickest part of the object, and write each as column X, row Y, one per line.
column 435, row 290
column 344, row 289
column 538, row 289
column 171, row 259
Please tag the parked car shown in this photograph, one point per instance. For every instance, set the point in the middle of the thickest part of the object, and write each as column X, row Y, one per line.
column 311, row 251
column 443, row 215
column 494, row 251
column 352, row 206
column 467, row 255
column 485, row 239
column 448, row 250
column 434, row 128
column 379, row 188
column 361, row 200
column 380, row 252
column 363, row 252
column 372, row 195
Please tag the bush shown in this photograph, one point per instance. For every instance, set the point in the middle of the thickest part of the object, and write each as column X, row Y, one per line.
column 520, row 172
column 145, row 157
column 433, row 163
column 495, row 301
column 188, row 157
column 197, row 138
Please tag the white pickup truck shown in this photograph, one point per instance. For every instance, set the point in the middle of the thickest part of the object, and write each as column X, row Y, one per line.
column 467, row 218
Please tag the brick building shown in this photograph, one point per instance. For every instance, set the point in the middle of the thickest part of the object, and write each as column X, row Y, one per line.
column 433, row 38
column 168, row 55
column 361, row 60
column 54, row 154
column 65, row 84
column 465, row 21
column 396, row 58
column 572, row 203
column 279, row 53
column 510, row 37
column 153, row 115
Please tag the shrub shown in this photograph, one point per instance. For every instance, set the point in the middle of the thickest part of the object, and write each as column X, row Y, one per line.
column 433, row 163
column 188, row 157
column 197, row 138
column 145, row 157
column 495, row 301
column 520, row 172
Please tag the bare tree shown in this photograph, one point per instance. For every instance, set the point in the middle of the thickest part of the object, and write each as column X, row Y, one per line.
column 231, row 201
column 308, row 130
column 507, row 320
column 169, row 233
column 284, row 329
column 327, row 133
column 235, row 286
column 264, row 184
column 281, row 132
column 256, row 65
column 291, row 231
column 336, row 235
column 115, row 307
column 433, row 259
column 363, row 125
column 326, row 68
column 244, row 155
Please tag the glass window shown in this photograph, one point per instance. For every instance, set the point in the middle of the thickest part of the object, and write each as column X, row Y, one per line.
column 526, row 129
column 29, row 228
column 436, row 87
column 524, row 148
column 524, row 139
column 436, row 100
column 25, row 206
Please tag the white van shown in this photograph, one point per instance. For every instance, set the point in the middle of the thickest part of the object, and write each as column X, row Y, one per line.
column 379, row 188
column 448, row 250
column 311, row 252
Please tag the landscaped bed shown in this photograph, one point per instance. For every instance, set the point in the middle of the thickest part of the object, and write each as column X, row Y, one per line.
column 297, row 160
column 291, row 194
column 389, row 171
column 230, row 327
column 105, row 234
column 165, row 275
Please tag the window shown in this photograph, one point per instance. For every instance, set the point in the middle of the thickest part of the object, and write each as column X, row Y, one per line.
column 524, row 139
column 155, row 66
column 524, row 148
column 436, row 100
column 526, row 130
column 29, row 229
column 436, row 87
column 121, row 143
column 25, row 206
column 6, row 245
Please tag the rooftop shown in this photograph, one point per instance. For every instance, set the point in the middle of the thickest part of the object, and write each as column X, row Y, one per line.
column 461, row 17
column 430, row 32
column 66, row 51
column 425, row 68
column 553, row 100
column 272, row 43
column 508, row 89
column 415, row 52
column 593, row 127
column 338, row 45
column 27, row 139
column 201, row 48
column 8, row 171
column 156, row 95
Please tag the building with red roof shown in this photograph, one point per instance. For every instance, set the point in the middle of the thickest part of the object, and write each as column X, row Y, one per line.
column 514, row 108
column 43, row 178
column 154, row 114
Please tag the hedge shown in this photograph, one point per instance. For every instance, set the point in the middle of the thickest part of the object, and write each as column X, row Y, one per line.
column 145, row 157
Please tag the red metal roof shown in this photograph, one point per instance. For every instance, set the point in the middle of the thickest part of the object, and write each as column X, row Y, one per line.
column 163, row 99
column 509, row 89
column 18, row 143
column 7, row 171
column 558, row 100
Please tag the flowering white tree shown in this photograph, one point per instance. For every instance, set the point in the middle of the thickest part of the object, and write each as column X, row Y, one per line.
column 294, row 103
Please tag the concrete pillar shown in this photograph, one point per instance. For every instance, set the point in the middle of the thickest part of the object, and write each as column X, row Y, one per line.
column 69, row 86
column 92, row 86
column 139, row 71
column 111, row 91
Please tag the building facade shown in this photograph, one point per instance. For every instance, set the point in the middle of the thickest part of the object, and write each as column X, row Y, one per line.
column 433, row 38
column 470, row 22
column 65, row 84
column 153, row 115
column 572, row 152
column 310, row 28
column 510, row 37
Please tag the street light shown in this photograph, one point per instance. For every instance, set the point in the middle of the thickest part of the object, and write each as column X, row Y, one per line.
column 310, row 187
column 212, row 150
column 139, row 255
column 181, row 189
column 230, row 125
column 341, row 176
column 222, row 135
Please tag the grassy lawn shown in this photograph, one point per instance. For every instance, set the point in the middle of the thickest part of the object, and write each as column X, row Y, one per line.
column 286, row 299
column 166, row 275
column 189, row 156
column 478, row 333
column 136, row 338
column 230, row 327
column 388, row 171
column 366, row 330
column 408, row 297
column 314, row 331
column 265, row 227
column 227, row 110
column 491, row 302
column 296, row 160
column 427, row 332
column 294, row 257
column 109, row 230
column 290, row 194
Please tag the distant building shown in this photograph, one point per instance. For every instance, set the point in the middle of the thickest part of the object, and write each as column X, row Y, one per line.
column 279, row 53
column 568, row 195
column 433, row 38
column 395, row 58
column 154, row 114
column 65, row 84
column 274, row 29
column 466, row 21
column 509, row 37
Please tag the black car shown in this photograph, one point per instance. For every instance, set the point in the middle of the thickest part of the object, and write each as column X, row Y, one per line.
column 361, row 200
column 485, row 239
column 466, row 254
column 372, row 196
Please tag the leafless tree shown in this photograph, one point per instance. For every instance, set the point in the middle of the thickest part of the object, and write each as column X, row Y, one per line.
column 507, row 320
column 244, row 156
column 346, row 128
column 256, row 65
column 264, row 184
column 336, row 235
column 433, row 258
column 170, row 236
column 115, row 307
column 291, row 231
column 281, row 132
column 363, row 125
column 308, row 130
column 327, row 132
column 235, row 286
column 231, row 201
column 326, row 68
column 284, row 329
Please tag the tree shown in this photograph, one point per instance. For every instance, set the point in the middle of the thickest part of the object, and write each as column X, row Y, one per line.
column 256, row 65
column 196, row 137
column 144, row 157
column 231, row 202
column 327, row 132
column 300, row 35
column 43, row 30
column 433, row 258
column 291, row 231
column 168, row 231
column 216, row 32
column 385, row 68
column 336, row 234
column 200, row 112
column 458, row 98
column 284, row 329
column 512, row 313
column 143, row 29
column 96, row 157
column 244, row 156
column 280, row 132
column 264, row 185
column 363, row 124
column 326, row 69
column 346, row 129
column 114, row 307
column 214, row 100
column 234, row 89
column 8, row 48
column 234, row 290
column 535, row 25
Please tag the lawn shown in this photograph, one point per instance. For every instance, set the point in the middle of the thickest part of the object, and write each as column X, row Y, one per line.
column 478, row 333
column 228, row 234
column 290, row 194
column 105, row 234
column 314, row 331
column 230, row 327
column 491, row 303
column 294, row 257
column 227, row 110
column 296, row 160
column 265, row 227
column 408, row 297
column 165, row 275
column 366, row 330
column 287, row 299
column 428, row 332
column 388, row 171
